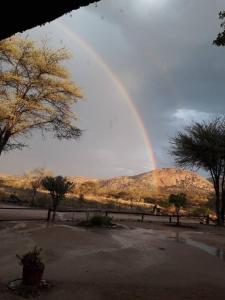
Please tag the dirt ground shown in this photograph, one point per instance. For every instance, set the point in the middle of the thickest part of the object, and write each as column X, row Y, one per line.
column 141, row 261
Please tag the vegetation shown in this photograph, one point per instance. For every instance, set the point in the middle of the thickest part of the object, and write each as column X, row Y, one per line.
column 36, row 92
column 57, row 186
column 33, row 267
column 200, row 211
column 99, row 220
column 34, row 179
column 32, row 259
column 220, row 40
column 202, row 145
column 197, row 189
column 178, row 201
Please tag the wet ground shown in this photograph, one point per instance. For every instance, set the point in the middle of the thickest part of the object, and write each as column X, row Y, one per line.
column 140, row 261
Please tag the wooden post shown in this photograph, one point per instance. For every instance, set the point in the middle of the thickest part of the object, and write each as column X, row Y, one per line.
column 106, row 213
column 178, row 219
column 49, row 215
column 207, row 220
column 87, row 215
column 54, row 215
column 142, row 218
column 170, row 219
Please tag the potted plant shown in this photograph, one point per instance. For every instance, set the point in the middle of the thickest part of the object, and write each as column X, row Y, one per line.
column 33, row 267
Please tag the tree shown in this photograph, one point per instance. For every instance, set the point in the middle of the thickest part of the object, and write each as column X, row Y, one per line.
column 57, row 186
column 34, row 178
column 179, row 201
column 202, row 145
column 220, row 40
column 36, row 92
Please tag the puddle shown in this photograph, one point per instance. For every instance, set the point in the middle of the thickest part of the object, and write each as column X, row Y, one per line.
column 207, row 248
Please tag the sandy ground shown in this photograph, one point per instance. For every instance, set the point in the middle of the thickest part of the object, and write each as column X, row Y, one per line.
column 141, row 261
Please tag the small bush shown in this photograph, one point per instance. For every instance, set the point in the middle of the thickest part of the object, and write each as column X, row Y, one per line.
column 99, row 220
column 199, row 211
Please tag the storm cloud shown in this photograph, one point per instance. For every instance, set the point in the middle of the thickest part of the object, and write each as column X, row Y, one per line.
column 163, row 54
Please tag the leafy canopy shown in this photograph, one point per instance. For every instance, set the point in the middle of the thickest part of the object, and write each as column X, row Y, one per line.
column 201, row 145
column 36, row 92
column 57, row 186
column 178, row 200
column 220, row 40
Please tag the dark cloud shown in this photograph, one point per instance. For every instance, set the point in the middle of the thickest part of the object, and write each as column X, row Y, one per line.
column 162, row 52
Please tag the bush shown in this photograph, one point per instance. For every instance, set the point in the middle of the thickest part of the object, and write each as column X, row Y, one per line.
column 99, row 220
column 200, row 211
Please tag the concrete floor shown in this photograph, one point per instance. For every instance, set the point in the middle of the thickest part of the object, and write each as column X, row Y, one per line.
column 130, row 263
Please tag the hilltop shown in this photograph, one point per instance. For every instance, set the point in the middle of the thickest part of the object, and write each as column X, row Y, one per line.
column 157, row 183
column 149, row 187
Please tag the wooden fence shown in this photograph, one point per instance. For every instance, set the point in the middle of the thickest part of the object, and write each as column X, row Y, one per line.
column 46, row 215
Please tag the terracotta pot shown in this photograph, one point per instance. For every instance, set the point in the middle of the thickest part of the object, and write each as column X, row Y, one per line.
column 31, row 276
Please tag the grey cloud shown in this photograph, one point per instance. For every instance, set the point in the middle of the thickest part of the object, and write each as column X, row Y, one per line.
column 164, row 56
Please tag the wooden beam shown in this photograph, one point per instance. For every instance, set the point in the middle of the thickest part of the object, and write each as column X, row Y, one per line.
column 18, row 16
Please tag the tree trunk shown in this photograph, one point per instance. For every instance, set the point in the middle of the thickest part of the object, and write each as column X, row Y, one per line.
column 222, row 208
column 178, row 216
column 33, row 197
column 1, row 147
column 218, row 212
column 178, row 220
column 53, row 216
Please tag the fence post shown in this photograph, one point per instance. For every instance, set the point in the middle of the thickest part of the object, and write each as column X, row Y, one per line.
column 170, row 219
column 142, row 218
column 106, row 214
column 49, row 215
column 87, row 215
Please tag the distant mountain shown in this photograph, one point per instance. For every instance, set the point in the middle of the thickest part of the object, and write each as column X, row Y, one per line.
column 156, row 183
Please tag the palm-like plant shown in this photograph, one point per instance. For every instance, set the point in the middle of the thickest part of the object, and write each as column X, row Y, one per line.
column 57, row 186
column 179, row 201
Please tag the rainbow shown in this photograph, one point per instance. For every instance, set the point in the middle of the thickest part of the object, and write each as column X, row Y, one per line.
column 119, row 85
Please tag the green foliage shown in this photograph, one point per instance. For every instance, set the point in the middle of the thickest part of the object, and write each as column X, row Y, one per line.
column 202, row 145
column 36, row 92
column 178, row 200
column 32, row 259
column 99, row 220
column 57, row 186
column 200, row 211
column 220, row 40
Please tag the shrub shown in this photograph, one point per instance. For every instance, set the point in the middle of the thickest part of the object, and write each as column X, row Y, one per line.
column 99, row 220
column 199, row 211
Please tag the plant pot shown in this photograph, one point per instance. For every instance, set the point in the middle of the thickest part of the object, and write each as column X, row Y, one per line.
column 31, row 276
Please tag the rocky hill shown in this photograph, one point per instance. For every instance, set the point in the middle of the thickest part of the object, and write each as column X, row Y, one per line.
column 157, row 183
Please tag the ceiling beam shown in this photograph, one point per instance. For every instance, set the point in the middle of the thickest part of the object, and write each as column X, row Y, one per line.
column 20, row 15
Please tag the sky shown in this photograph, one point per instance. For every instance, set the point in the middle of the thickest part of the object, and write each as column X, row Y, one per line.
column 146, row 69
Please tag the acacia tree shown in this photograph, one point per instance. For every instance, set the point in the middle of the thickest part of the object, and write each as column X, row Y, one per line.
column 34, row 178
column 220, row 40
column 36, row 92
column 179, row 201
column 57, row 186
column 202, row 145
